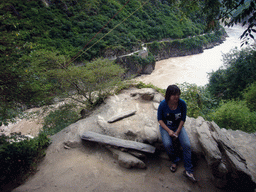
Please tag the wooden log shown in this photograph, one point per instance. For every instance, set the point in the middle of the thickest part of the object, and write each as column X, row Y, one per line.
column 121, row 116
column 105, row 139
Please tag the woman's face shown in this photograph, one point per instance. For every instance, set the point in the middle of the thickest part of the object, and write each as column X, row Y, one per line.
column 174, row 98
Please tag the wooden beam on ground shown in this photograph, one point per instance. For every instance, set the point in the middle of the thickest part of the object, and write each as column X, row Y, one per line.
column 121, row 116
column 105, row 139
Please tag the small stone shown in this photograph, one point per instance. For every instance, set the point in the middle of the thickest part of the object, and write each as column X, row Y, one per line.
column 66, row 147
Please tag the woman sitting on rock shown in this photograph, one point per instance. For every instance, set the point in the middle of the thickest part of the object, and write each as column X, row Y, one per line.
column 171, row 117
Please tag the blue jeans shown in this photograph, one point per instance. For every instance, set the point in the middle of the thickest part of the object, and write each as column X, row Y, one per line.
column 185, row 144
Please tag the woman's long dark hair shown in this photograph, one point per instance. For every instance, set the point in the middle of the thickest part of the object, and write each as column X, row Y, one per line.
column 171, row 90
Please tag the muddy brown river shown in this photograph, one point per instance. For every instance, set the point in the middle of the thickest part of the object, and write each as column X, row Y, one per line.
column 193, row 69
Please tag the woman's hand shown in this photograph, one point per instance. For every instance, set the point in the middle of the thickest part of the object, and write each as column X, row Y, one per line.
column 172, row 133
column 176, row 134
column 169, row 131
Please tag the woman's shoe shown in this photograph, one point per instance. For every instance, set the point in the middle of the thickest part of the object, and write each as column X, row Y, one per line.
column 173, row 167
column 189, row 176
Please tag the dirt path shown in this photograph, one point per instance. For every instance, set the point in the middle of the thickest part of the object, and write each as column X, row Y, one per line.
column 91, row 167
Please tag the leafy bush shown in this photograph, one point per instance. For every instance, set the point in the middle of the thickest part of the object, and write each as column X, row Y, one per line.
column 141, row 85
column 238, row 72
column 19, row 158
column 250, row 97
column 94, row 81
column 199, row 100
column 235, row 115
column 59, row 119
column 190, row 93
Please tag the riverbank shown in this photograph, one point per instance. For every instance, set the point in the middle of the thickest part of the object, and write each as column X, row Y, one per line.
column 193, row 69
column 187, row 46
column 143, row 60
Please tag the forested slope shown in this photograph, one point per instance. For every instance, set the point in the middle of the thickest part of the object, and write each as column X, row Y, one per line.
column 67, row 26
column 42, row 36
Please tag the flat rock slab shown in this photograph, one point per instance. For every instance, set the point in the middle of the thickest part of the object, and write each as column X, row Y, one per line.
column 105, row 139
column 121, row 116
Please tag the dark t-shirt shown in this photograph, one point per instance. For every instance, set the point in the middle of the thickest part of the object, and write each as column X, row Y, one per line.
column 170, row 117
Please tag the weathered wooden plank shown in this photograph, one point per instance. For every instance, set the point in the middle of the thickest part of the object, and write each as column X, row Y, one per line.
column 121, row 116
column 105, row 139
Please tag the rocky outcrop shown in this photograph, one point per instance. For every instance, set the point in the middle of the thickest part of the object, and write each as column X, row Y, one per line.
column 230, row 162
column 230, row 154
column 127, row 160
column 172, row 51
column 134, row 65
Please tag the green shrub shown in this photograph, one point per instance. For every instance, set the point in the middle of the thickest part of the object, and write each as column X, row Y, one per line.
column 250, row 97
column 235, row 115
column 19, row 158
column 199, row 101
column 141, row 85
column 58, row 119
column 239, row 69
column 190, row 93
column 150, row 59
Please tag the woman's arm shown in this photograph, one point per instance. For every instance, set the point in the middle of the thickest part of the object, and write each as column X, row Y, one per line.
column 179, row 128
column 183, row 107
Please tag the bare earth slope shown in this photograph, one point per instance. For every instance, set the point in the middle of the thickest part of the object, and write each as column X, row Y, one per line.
column 92, row 168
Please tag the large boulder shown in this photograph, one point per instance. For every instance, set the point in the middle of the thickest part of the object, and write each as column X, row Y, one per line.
column 127, row 160
column 229, row 154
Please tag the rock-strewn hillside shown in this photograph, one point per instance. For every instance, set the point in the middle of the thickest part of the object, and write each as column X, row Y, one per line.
column 83, row 165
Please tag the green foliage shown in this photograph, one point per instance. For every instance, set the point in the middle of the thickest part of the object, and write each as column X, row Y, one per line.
column 40, row 36
column 242, row 12
column 180, row 47
column 250, row 97
column 235, row 115
column 19, row 158
column 66, row 26
column 59, row 119
column 191, row 95
column 199, row 101
column 230, row 12
column 94, row 81
column 238, row 72
column 141, row 85
column 26, row 82
column 38, row 86
column 150, row 59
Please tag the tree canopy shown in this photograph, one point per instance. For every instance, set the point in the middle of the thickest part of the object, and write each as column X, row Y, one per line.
column 230, row 12
column 238, row 72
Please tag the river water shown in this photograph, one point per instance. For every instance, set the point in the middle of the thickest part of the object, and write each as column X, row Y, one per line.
column 193, row 69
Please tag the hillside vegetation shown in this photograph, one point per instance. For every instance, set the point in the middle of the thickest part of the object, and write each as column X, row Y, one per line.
column 67, row 26
column 39, row 39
